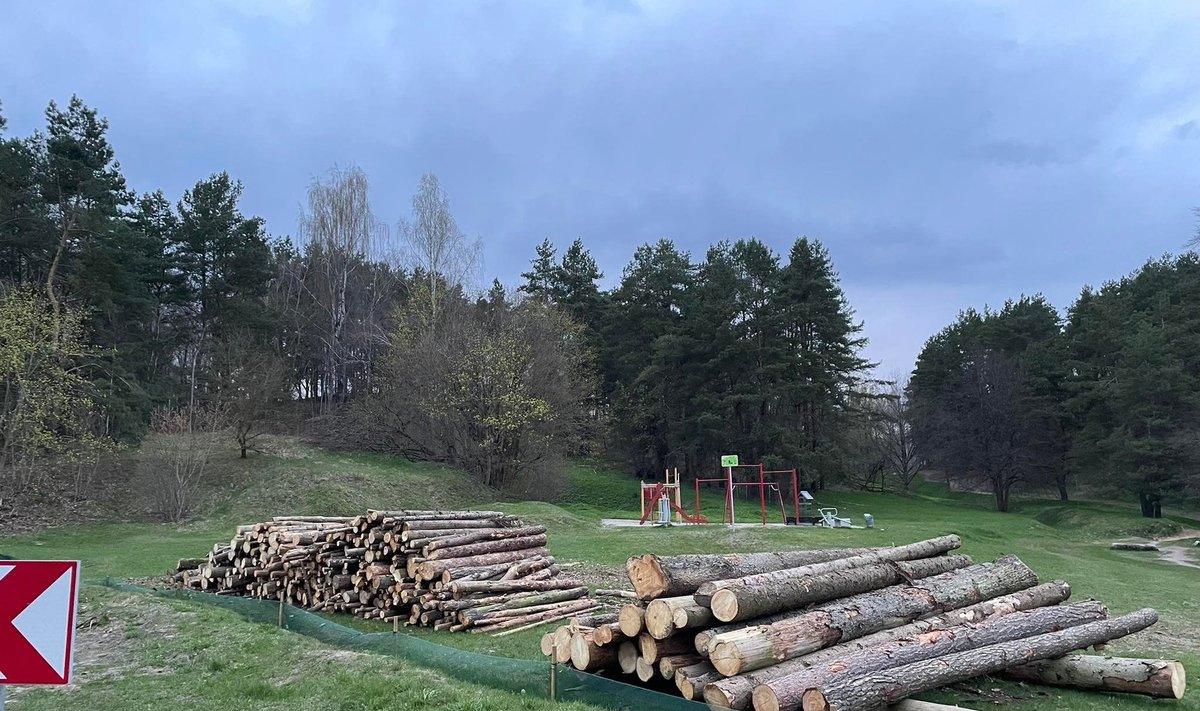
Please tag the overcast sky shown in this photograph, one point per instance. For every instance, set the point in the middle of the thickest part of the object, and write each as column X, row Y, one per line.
column 949, row 154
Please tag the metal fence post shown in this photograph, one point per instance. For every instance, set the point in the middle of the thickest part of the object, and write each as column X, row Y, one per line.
column 553, row 675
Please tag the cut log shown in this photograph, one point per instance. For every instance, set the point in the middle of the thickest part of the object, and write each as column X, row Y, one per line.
column 523, row 568
column 483, row 535
column 485, row 547
column 547, row 644
column 608, row 633
column 433, row 569
column 644, row 669
column 632, row 620
column 786, row 690
column 562, row 644
column 654, row 649
column 790, row 593
column 921, row 549
column 600, row 616
column 691, row 680
column 760, row 646
column 1159, row 678
column 671, row 576
column 603, row 592
column 1125, row 546
column 660, row 615
column 692, row 617
column 668, row 664
column 586, row 655
column 561, row 611
column 467, row 587
column 436, row 524
column 627, row 656
column 876, row 690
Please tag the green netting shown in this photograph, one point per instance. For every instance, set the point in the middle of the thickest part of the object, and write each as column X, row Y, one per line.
column 517, row 675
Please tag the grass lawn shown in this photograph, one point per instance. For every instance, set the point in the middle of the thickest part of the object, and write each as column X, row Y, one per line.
column 1067, row 541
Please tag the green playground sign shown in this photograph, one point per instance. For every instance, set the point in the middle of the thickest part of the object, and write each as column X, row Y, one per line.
column 729, row 460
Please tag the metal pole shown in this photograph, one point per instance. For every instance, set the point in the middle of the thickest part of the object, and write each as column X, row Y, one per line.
column 1, row 697
column 281, row 611
column 729, row 496
column 553, row 674
column 762, row 493
column 796, row 496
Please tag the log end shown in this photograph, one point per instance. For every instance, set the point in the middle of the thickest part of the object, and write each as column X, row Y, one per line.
column 814, row 700
column 659, row 620
column 580, row 657
column 627, row 656
column 1178, row 679
column 631, row 620
column 716, row 698
column 724, row 605
column 647, row 576
column 725, row 658
column 547, row 644
column 765, row 698
column 644, row 669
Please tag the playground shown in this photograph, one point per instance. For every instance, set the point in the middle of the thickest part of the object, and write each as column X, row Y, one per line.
column 661, row 502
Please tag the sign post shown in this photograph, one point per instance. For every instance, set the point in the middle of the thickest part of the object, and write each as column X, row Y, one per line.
column 729, row 461
column 37, row 621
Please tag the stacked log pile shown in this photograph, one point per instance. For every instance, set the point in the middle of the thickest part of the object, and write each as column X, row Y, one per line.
column 854, row 629
column 452, row 570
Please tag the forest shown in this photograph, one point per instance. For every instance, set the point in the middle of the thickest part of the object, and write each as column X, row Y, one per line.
column 124, row 315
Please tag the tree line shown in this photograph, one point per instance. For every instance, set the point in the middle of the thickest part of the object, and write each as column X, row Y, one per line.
column 125, row 313
column 1105, row 398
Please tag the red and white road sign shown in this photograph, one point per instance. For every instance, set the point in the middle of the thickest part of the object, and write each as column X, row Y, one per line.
column 37, row 620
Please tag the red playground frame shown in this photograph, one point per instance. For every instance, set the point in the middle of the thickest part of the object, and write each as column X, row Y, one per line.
column 761, row 485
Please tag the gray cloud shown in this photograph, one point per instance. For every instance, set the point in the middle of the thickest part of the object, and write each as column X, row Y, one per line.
column 947, row 153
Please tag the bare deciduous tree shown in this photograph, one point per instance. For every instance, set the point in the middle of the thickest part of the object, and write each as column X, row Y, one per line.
column 894, row 438
column 341, row 231
column 435, row 247
column 175, row 457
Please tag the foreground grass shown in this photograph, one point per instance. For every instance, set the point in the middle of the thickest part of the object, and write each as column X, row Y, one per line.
column 140, row 652
column 1060, row 541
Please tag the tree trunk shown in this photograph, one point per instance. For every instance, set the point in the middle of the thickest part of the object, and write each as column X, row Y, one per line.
column 787, row 690
column 921, row 549
column 744, row 603
column 691, row 617
column 668, row 664
column 652, row 649
column 433, row 569
column 485, row 547
column 1061, row 480
column 660, row 614
column 875, row 691
column 608, row 633
column 670, row 576
column 691, row 680
column 463, row 588
column 586, row 655
column 627, row 656
column 1159, row 678
column 632, row 620
column 482, row 535
column 757, row 647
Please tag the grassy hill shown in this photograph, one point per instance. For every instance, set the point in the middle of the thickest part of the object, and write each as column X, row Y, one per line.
column 1068, row 541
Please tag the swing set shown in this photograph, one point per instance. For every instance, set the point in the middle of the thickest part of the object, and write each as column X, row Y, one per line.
column 659, row 500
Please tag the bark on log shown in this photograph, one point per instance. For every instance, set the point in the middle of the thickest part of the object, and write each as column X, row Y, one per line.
column 670, row 576
column 450, row 524
column 586, row 655
column 601, row 616
column 786, row 690
column 477, row 549
column 921, row 549
column 632, row 620
column 757, row 647
column 660, row 615
column 654, row 649
column 668, row 664
column 875, row 691
column 483, row 535
column 691, row 680
column 608, row 633
column 691, row 617
column 517, row 624
column 1123, row 546
column 627, row 656
column 603, row 592
column 467, row 587
column 790, row 593
column 433, row 569
column 1158, row 678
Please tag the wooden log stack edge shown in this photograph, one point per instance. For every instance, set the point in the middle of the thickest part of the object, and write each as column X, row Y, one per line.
column 480, row 571
column 853, row 629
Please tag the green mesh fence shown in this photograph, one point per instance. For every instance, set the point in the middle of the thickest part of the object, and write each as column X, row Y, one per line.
column 517, row 675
